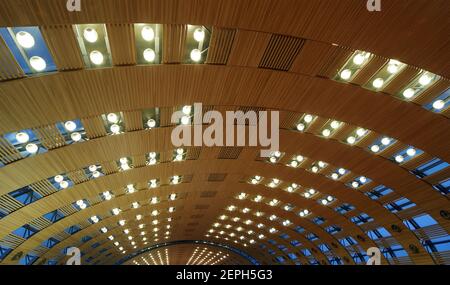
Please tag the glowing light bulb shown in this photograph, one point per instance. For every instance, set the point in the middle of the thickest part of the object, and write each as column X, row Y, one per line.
column 378, row 83
column 346, row 74
column 409, row 93
column 199, row 35
column 196, row 55
column 90, row 35
column 359, row 59
column 96, row 57
column 438, row 104
column 31, row 148
column 386, row 141
column 301, row 127
column 148, row 34
column 149, row 55
column 115, row 129
column 22, row 137
column 75, row 136
column 411, row 152
column 308, row 118
column 185, row 120
column 351, row 140
column 151, row 123
column 399, row 158
column 375, row 148
column 326, row 132
column 425, row 79
column 38, row 63
column 25, row 39
column 70, row 126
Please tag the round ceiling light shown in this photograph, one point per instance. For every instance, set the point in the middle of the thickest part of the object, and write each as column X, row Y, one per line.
column 199, row 35
column 196, row 55
column 148, row 34
column 96, row 57
column 38, row 63
column 90, row 35
column 149, row 55
column 25, row 39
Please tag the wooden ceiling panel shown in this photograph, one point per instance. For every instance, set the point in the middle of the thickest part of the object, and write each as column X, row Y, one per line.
column 9, row 68
column 62, row 43
column 220, row 45
column 122, row 42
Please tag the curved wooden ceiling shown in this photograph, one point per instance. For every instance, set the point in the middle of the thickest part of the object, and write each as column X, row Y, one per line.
column 237, row 76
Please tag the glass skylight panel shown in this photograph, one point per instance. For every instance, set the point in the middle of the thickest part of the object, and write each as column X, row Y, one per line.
column 29, row 49
column 430, row 167
column 406, row 155
column 94, row 45
column 439, row 104
column 125, row 163
column 25, row 142
column 353, row 65
column 305, row 122
column 330, row 128
column 275, row 157
column 25, row 195
column 385, row 75
column 114, row 123
column 338, row 173
column 197, row 44
column 151, row 118
column 358, row 182
column 355, row 136
column 148, row 43
column 152, row 158
column 381, row 144
column 72, row 131
column 378, row 192
column 418, row 85
column 61, row 181
column 296, row 161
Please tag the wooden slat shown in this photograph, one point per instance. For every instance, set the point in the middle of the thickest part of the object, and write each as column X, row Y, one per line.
column 50, row 137
column 62, row 43
column 248, row 48
column 174, row 39
column 122, row 42
column 281, row 52
column 9, row 68
column 94, row 127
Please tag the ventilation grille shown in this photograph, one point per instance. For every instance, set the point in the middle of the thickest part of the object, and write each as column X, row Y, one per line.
column 8, row 204
column 67, row 210
column 220, row 46
column 208, row 194
column 201, row 207
column 281, row 52
column 217, row 177
column 229, row 152
column 40, row 223
column 193, row 153
column 12, row 241
column 109, row 167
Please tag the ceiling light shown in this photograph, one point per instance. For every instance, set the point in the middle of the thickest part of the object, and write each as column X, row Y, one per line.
column 358, row 59
column 75, row 136
column 425, row 79
column 308, row 118
column 351, row 139
column 360, row 132
column 70, row 126
column 90, row 35
column 326, row 133
column 58, row 178
column 96, row 57
column 149, row 55
column 409, row 93
column 64, row 184
column 346, row 74
column 185, row 120
column 148, row 34
column 393, row 67
column 335, row 124
column 438, row 104
column 104, row 230
column 294, row 163
column 151, row 123
column 25, row 39
column 38, row 63
column 122, row 222
column 115, row 129
column 196, row 55
column 199, row 35
column 335, row 176
column 22, row 137
column 324, row 201
column 375, row 148
column 321, row 164
column 411, row 152
column 399, row 158
column 385, row 141
column 301, row 127
column 378, row 83
column 341, row 171
column 363, row 179
column 355, row 184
